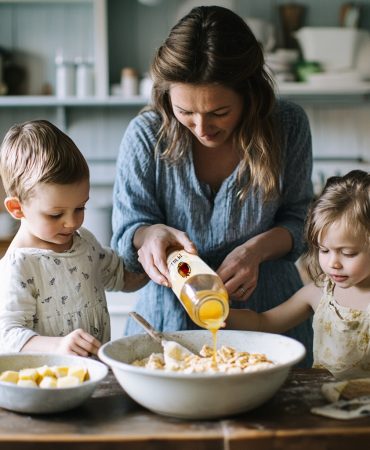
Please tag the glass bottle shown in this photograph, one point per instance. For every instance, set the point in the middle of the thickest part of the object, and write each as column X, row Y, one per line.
column 199, row 288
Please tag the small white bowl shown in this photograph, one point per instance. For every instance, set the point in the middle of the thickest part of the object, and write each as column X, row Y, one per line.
column 200, row 395
column 43, row 401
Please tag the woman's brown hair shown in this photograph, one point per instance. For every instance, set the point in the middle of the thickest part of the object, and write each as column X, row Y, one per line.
column 211, row 45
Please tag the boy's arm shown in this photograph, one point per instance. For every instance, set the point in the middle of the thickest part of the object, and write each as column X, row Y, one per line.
column 134, row 281
column 78, row 342
column 281, row 318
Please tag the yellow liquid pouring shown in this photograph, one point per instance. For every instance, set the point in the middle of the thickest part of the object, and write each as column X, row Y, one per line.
column 208, row 310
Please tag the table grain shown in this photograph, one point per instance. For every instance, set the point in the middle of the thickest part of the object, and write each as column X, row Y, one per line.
column 111, row 420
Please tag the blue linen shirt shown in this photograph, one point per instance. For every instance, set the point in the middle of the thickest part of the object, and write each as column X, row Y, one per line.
column 149, row 191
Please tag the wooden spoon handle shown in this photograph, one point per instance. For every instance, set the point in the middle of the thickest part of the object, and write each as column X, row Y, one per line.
column 156, row 335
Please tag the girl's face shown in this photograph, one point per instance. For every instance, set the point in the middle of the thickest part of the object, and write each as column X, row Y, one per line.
column 343, row 257
column 54, row 212
column 211, row 112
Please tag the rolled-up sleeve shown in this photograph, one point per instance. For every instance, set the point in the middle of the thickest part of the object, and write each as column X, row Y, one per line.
column 17, row 306
column 134, row 193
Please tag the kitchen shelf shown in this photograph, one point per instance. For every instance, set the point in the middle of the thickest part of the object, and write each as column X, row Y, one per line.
column 359, row 92
column 326, row 94
column 35, row 101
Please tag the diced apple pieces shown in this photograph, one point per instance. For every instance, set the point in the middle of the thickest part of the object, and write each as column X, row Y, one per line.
column 45, row 371
column 9, row 376
column 79, row 372
column 60, row 371
column 68, row 381
column 48, row 382
column 47, row 376
column 27, row 383
column 29, row 374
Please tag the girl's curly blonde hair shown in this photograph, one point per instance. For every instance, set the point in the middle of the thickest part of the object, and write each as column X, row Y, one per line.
column 345, row 199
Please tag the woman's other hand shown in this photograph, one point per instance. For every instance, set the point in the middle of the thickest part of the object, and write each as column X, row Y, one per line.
column 153, row 243
column 239, row 271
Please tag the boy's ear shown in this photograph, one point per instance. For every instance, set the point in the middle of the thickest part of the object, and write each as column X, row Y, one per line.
column 14, row 207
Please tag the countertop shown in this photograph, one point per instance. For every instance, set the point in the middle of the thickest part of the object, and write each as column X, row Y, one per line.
column 111, row 420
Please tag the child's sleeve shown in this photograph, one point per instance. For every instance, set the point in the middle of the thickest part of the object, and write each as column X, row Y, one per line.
column 112, row 270
column 108, row 264
column 17, row 304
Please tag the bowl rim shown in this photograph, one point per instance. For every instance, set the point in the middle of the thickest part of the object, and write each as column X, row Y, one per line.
column 115, row 364
column 88, row 382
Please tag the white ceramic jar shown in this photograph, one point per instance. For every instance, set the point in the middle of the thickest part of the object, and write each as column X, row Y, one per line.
column 84, row 79
column 129, row 82
column 65, row 78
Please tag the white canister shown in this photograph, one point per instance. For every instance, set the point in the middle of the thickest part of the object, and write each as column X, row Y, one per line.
column 145, row 86
column 84, row 79
column 129, row 82
column 65, row 78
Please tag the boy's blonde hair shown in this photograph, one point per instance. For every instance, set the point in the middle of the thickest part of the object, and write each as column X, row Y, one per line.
column 38, row 152
column 345, row 199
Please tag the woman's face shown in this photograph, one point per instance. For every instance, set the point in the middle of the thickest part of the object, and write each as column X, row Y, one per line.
column 211, row 111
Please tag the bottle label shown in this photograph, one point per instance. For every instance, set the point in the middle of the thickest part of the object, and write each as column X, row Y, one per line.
column 182, row 266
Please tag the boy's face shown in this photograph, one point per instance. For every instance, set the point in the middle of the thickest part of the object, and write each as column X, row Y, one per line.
column 54, row 212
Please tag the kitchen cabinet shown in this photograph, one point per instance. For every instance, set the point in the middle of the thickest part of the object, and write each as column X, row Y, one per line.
column 35, row 32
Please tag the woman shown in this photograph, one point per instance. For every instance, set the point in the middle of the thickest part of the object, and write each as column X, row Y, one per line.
column 217, row 166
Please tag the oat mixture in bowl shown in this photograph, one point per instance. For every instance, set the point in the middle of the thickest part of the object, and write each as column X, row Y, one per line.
column 177, row 358
column 208, row 394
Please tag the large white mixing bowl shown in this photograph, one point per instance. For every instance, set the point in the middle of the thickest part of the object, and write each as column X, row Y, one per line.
column 202, row 396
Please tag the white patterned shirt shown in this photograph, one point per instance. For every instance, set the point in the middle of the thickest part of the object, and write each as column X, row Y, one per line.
column 46, row 293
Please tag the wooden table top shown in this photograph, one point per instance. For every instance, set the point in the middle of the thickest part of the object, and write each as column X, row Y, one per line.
column 111, row 420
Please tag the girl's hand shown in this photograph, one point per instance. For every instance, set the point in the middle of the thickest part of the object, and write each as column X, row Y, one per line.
column 153, row 242
column 239, row 271
column 78, row 343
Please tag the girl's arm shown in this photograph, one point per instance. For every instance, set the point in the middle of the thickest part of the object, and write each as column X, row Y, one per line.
column 281, row 318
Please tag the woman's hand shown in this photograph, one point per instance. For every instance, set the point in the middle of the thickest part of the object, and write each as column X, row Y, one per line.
column 153, row 242
column 239, row 271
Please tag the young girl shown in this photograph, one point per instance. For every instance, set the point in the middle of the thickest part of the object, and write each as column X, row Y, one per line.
column 338, row 260
column 54, row 275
